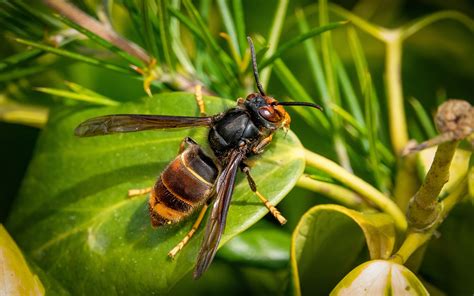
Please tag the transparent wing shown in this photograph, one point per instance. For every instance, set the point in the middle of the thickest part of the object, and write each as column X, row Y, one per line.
column 216, row 222
column 124, row 123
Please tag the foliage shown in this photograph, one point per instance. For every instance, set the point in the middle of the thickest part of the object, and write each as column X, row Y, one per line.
column 72, row 217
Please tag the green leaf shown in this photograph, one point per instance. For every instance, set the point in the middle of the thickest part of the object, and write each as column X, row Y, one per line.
column 265, row 246
column 327, row 241
column 74, row 218
column 380, row 277
column 15, row 275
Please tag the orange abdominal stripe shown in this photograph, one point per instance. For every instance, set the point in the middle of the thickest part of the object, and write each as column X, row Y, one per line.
column 180, row 189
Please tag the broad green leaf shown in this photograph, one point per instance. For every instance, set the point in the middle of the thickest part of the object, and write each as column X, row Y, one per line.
column 16, row 277
column 380, row 277
column 264, row 246
column 74, row 218
column 327, row 242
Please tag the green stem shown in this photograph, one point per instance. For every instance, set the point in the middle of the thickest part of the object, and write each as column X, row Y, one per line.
column 424, row 207
column 416, row 239
column 338, row 193
column 407, row 181
column 419, row 24
column 393, row 80
column 30, row 115
column 358, row 185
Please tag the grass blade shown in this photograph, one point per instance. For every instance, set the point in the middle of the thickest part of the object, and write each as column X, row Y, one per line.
column 178, row 48
column 22, row 72
column 102, row 42
column 19, row 58
column 225, row 62
column 423, row 117
column 99, row 100
column 164, row 23
column 328, row 61
column 361, row 132
column 149, row 33
column 298, row 92
column 187, row 23
column 348, row 91
column 370, row 111
column 240, row 25
column 75, row 56
column 229, row 24
column 275, row 32
column 79, row 89
column 297, row 40
column 314, row 60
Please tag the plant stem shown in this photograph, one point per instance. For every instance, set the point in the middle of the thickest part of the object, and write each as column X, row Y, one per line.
column 35, row 116
column 393, row 80
column 338, row 193
column 358, row 185
column 74, row 14
column 416, row 239
column 79, row 17
column 406, row 181
column 424, row 207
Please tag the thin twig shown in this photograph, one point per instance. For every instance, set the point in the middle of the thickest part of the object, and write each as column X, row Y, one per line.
column 366, row 190
column 76, row 15
column 106, row 32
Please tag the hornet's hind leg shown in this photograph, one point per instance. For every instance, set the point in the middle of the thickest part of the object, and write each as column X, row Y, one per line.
column 199, row 100
column 190, row 234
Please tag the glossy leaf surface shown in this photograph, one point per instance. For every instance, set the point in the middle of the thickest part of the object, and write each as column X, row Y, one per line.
column 327, row 242
column 74, row 218
column 16, row 277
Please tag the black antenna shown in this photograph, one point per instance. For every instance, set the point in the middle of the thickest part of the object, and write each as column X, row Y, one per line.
column 255, row 69
column 300, row 104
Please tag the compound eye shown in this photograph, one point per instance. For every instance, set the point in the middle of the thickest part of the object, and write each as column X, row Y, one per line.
column 269, row 114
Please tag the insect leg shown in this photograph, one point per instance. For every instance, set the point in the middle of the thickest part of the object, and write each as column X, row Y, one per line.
column 188, row 236
column 184, row 142
column 259, row 148
column 140, row 191
column 199, row 100
column 265, row 201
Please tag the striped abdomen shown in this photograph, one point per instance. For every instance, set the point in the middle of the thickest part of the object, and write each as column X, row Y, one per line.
column 182, row 187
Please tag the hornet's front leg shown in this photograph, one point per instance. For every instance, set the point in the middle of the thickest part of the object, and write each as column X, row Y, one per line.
column 263, row 143
column 273, row 210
